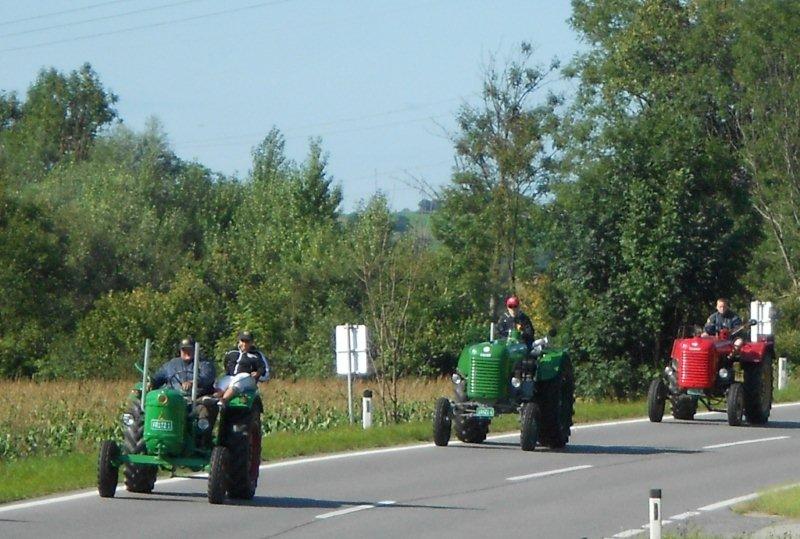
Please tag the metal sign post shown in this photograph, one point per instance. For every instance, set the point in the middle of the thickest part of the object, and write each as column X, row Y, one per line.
column 351, row 357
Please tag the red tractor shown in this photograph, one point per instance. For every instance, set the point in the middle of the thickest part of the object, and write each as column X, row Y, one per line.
column 704, row 369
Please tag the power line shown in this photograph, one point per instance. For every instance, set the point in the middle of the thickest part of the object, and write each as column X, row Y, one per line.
column 147, row 26
column 45, row 15
column 104, row 18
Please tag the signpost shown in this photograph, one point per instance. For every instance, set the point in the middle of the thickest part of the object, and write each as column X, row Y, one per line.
column 351, row 356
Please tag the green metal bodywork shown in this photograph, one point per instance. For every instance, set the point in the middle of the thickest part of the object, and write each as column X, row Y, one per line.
column 165, row 412
column 488, row 367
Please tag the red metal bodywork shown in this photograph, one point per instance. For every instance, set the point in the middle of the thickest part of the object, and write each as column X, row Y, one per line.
column 698, row 358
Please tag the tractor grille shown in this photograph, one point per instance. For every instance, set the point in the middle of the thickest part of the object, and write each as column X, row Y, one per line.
column 695, row 369
column 484, row 381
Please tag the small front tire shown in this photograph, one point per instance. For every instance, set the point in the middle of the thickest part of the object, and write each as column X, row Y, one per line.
column 107, row 471
column 442, row 422
column 529, row 426
column 218, row 475
column 656, row 399
column 735, row 403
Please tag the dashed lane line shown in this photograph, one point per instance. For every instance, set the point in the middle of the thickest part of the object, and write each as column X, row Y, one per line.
column 744, row 442
column 355, row 509
column 549, row 472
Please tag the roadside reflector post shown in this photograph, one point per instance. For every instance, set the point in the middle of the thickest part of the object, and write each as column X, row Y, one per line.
column 366, row 409
column 783, row 375
column 655, row 513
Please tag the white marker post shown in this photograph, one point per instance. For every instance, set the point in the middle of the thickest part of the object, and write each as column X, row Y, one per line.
column 349, row 376
column 366, row 409
column 655, row 513
column 194, row 371
column 783, row 375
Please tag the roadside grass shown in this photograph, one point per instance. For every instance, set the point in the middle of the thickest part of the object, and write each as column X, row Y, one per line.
column 782, row 502
column 42, row 475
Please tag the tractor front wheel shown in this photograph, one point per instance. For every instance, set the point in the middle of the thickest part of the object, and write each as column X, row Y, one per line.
column 138, row 477
column 735, row 404
column 218, row 475
column 245, row 460
column 107, row 471
column 529, row 426
column 758, row 390
column 656, row 399
column 442, row 422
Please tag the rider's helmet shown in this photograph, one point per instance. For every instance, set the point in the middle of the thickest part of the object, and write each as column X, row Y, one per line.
column 512, row 302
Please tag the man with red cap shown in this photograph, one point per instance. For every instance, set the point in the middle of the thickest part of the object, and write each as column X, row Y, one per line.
column 514, row 318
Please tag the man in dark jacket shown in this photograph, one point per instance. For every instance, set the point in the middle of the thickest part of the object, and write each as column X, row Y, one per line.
column 722, row 318
column 244, row 366
column 178, row 374
column 514, row 318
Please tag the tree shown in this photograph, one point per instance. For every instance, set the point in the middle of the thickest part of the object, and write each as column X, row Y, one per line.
column 487, row 218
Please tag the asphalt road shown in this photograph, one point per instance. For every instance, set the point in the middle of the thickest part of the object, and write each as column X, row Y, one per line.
column 597, row 487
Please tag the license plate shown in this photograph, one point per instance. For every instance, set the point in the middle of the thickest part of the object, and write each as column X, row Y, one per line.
column 161, row 424
column 698, row 392
column 484, row 411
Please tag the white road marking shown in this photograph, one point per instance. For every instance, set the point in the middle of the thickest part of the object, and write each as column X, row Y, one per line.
column 90, row 493
column 743, row 442
column 354, row 509
column 550, row 472
column 684, row 516
column 728, row 502
column 663, row 523
column 628, row 533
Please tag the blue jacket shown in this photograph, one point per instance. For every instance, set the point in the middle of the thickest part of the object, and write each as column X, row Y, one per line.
column 716, row 322
column 176, row 371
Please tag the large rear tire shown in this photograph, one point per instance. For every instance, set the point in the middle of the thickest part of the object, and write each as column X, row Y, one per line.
column 245, row 460
column 138, row 478
column 684, row 407
column 442, row 422
column 758, row 390
column 107, row 471
column 735, row 402
column 656, row 400
column 218, row 475
column 557, row 407
column 529, row 426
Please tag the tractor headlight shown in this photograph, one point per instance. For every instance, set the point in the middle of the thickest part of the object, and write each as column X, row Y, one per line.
column 203, row 423
column 516, row 382
column 127, row 420
column 457, row 378
column 724, row 373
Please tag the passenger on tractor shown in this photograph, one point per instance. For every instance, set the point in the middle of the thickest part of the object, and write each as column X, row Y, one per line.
column 245, row 365
column 723, row 318
column 178, row 372
column 514, row 318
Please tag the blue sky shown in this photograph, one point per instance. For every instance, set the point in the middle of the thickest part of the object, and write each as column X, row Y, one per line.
column 379, row 81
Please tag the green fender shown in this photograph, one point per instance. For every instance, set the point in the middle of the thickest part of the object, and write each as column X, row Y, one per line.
column 550, row 364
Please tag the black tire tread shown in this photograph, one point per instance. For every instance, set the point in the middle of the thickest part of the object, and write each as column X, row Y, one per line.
column 656, row 400
column 107, row 473
column 218, row 475
column 240, row 484
column 442, row 422
column 757, row 406
column 557, row 408
column 138, row 478
column 529, row 426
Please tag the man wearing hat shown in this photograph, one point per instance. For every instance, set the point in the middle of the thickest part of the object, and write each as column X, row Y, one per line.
column 244, row 366
column 178, row 373
column 514, row 319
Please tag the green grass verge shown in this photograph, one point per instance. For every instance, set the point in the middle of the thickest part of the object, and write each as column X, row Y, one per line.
column 785, row 503
column 42, row 475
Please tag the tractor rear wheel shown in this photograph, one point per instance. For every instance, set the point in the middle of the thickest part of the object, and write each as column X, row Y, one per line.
column 245, row 459
column 684, row 407
column 107, row 471
column 656, row 400
column 735, row 403
column 218, row 475
column 138, row 478
column 442, row 422
column 758, row 390
column 557, row 406
column 529, row 426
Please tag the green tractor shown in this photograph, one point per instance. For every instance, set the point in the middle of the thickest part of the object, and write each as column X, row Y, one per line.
column 167, row 434
column 502, row 376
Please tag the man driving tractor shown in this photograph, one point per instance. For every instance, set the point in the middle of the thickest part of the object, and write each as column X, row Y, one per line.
column 514, row 318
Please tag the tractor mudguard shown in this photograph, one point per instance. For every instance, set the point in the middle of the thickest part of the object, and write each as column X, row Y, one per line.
column 550, row 365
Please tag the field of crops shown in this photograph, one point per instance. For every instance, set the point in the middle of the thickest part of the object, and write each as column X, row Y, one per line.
column 56, row 417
